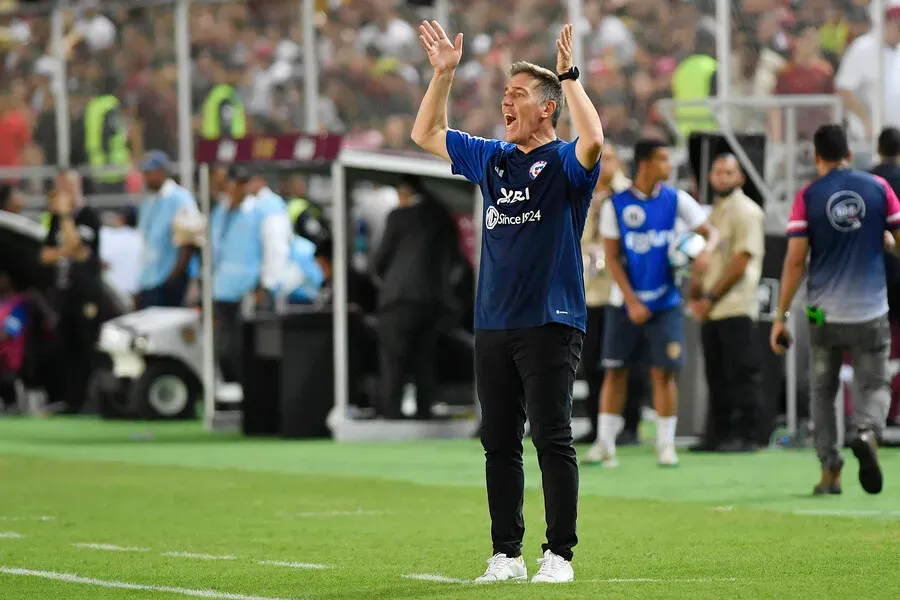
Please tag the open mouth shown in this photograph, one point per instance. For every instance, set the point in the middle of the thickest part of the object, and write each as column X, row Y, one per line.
column 509, row 119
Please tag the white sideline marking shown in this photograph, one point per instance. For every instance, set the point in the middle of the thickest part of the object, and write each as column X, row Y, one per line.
column 339, row 513
column 123, row 585
column 10, row 535
column 199, row 556
column 837, row 512
column 728, row 508
column 441, row 579
column 41, row 518
column 111, row 547
column 292, row 565
column 434, row 577
column 654, row 580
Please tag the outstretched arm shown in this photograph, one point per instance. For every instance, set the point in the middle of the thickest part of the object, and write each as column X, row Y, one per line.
column 430, row 129
column 584, row 115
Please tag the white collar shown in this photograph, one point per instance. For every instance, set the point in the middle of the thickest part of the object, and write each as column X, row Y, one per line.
column 166, row 188
column 264, row 190
column 642, row 196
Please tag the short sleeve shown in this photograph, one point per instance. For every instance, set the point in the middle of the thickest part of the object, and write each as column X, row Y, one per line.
column 187, row 203
column 609, row 225
column 469, row 154
column 690, row 211
column 892, row 214
column 850, row 75
column 749, row 232
column 797, row 223
column 583, row 179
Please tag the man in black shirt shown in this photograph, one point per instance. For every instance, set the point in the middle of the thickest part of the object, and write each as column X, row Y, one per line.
column 71, row 248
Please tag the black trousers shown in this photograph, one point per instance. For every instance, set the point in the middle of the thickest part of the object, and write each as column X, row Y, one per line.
column 227, row 345
column 733, row 378
column 638, row 388
column 79, row 327
column 407, row 342
column 529, row 372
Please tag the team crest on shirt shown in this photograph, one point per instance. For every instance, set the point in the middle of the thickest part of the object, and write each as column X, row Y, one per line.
column 673, row 350
column 845, row 210
column 634, row 216
column 536, row 168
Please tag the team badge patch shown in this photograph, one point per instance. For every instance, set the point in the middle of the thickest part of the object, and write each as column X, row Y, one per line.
column 536, row 168
column 673, row 350
column 90, row 310
column 634, row 216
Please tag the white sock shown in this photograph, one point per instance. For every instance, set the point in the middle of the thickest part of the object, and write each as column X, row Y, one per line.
column 665, row 430
column 610, row 426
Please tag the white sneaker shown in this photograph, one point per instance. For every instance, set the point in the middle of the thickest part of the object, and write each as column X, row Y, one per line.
column 597, row 455
column 503, row 568
column 665, row 455
column 554, row 569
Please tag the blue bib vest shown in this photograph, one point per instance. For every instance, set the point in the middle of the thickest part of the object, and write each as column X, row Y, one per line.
column 646, row 228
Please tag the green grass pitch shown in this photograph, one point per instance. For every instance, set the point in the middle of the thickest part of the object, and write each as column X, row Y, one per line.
column 100, row 510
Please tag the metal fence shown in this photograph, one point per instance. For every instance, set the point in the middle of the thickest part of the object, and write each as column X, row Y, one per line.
column 355, row 67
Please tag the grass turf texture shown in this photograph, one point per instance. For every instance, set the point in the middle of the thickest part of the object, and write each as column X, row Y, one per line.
column 730, row 526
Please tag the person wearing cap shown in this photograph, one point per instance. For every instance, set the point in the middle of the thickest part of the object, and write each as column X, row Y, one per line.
column 277, row 235
column 163, row 277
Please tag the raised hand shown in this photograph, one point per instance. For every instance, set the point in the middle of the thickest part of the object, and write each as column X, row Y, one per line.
column 564, row 49
column 443, row 54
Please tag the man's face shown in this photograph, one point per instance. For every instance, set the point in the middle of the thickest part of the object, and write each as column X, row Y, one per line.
column 238, row 192
column 522, row 108
column 154, row 180
column 15, row 203
column 725, row 176
column 659, row 167
column 807, row 43
column 405, row 194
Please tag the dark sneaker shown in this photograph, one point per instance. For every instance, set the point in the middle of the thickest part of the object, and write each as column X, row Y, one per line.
column 865, row 449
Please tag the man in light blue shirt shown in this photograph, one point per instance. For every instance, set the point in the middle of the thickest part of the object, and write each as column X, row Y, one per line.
column 277, row 235
column 163, row 278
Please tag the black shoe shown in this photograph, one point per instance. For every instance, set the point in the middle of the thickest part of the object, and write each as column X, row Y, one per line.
column 737, row 446
column 830, row 484
column 705, row 446
column 589, row 438
column 628, row 438
column 865, row 448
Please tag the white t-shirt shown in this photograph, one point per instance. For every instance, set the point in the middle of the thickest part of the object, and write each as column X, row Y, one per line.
column 858, row 74
column 690, row 216
column 121, row 248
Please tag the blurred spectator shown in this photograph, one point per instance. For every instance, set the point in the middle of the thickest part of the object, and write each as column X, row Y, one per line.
column 120, row 250
column 805, row 73
column 10, row 198
column 857, row 79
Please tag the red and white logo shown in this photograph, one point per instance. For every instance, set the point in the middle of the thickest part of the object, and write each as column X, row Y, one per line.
column 536, row 168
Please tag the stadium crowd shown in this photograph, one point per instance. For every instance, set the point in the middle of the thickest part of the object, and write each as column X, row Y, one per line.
column 372, row 76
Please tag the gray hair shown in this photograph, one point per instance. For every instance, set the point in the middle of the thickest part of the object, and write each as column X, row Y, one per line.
column 549, row 87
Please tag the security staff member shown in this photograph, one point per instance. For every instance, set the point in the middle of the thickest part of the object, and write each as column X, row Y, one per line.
column 164, row 266
column 694, row 80
column 725, row 302
column 307, row 216
column 223, row 112
column 72, row 248
column 106, row 139
column 597, row 284
column 240, row 254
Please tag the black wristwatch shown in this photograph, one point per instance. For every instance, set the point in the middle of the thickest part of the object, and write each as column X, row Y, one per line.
column 572, row 74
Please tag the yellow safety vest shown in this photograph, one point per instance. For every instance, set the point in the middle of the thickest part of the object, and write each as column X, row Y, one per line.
column 212, row 113
column 97, row 152
column 692, row 80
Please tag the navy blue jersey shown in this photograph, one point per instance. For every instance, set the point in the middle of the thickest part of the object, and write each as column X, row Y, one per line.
column 535, row 206
column 844, row 215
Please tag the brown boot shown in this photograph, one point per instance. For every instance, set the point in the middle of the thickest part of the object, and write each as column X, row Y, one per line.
column 829, row 484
